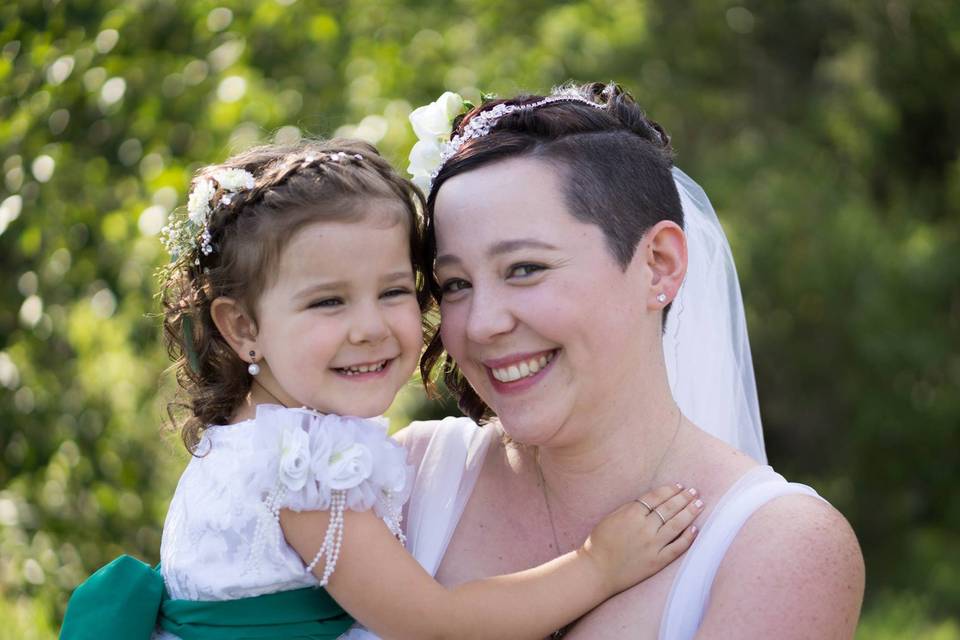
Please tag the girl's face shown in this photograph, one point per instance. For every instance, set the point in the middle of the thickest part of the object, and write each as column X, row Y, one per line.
column 543, row 322
column 339, row 329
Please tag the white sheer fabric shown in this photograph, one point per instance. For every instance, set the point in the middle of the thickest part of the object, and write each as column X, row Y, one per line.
column 705, row 343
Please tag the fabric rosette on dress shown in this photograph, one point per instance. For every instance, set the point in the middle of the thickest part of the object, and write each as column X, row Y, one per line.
column 334, row 463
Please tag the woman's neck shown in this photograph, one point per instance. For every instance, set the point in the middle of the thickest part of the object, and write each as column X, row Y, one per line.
column 612, row 456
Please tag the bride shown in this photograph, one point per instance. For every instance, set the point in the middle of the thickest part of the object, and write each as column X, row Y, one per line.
column 601, row 360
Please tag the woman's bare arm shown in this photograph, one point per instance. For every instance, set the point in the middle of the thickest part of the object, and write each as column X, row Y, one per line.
column 794, row 571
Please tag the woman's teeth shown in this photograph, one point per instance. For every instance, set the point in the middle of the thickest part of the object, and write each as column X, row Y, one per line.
column 523, row 369
column 366, row 368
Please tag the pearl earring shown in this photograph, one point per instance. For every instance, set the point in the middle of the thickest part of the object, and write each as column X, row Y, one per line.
column 253, row 368
column 661, row 298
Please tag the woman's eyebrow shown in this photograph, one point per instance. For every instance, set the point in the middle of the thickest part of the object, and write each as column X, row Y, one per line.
column 500, row 248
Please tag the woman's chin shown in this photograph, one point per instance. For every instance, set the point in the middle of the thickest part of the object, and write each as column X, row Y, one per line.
column 529, row 428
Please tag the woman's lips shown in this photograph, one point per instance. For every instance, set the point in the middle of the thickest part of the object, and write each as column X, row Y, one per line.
column 519, row 372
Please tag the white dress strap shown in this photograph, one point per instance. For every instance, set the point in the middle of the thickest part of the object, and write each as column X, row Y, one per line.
column 690, row 592
column 443, row 484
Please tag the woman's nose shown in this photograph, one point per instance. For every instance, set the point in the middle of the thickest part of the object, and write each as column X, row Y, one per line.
column 488, row 317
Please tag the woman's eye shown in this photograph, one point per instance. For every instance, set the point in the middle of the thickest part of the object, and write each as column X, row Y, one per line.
column 453, row 285
column 524, row 270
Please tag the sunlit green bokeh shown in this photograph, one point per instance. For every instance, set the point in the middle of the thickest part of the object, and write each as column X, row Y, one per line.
column 826, row 133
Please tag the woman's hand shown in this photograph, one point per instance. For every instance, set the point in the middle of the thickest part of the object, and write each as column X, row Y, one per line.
column 642, row 537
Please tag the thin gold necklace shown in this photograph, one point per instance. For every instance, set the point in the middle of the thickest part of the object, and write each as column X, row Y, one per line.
column 559, row 633
column 543, row 482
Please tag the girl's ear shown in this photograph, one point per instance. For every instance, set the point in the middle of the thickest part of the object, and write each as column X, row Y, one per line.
column 236, row 325
column 666, row 258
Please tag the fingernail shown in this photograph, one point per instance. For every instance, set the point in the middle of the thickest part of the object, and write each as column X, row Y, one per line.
column 693, row 529
column 698, row 503
column 692, row 491
column 679, row 486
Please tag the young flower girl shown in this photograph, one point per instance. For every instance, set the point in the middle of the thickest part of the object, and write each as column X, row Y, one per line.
column 293, row 311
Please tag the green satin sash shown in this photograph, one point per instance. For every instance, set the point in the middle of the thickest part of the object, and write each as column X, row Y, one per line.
column 126, row 600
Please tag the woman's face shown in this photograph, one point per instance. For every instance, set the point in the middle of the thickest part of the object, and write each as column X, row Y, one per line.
column 544, row 323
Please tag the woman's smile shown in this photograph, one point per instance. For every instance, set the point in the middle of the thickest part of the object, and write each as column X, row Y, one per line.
column 519, row 372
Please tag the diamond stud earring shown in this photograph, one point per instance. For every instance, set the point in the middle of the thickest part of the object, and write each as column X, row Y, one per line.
column 661, row 298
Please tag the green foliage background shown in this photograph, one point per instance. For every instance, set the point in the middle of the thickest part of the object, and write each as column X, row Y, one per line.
column 826, row 133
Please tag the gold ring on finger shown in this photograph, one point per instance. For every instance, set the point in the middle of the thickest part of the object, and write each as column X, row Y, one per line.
column 661, row 516
column 649, row 508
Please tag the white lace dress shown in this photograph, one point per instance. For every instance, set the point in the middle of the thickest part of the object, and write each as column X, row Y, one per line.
column 452, row 463
column 222, row 540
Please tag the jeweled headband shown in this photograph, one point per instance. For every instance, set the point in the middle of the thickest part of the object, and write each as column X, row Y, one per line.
column 432, row 151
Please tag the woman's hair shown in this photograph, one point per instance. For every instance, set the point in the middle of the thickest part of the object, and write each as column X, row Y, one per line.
column 614, row 165
column 294, row 186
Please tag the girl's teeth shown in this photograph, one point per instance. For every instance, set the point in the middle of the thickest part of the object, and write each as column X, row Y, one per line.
column 523, row 369
column 367, row 368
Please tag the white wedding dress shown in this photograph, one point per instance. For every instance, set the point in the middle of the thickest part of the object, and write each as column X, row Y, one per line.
column 448, row 472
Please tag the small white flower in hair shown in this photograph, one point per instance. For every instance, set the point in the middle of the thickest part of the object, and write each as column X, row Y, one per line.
column 234, row 179
column 198, row 205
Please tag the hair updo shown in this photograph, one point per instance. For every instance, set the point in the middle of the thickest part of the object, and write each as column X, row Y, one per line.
column 614, row 165
column 294, row 186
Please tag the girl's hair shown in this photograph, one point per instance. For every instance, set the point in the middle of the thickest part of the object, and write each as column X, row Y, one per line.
column 294, row 186
column 614, row 166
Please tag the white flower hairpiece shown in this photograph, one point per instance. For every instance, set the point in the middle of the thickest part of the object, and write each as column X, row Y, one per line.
column 433, row 123
column 180, row 236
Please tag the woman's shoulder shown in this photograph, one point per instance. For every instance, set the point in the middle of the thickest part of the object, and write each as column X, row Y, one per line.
column 421, row 434
column 794, row 567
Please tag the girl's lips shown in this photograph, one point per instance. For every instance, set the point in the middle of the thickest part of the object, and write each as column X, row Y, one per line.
column 360, row 376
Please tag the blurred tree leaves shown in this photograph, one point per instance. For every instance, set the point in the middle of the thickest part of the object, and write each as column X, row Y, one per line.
column 826, row 133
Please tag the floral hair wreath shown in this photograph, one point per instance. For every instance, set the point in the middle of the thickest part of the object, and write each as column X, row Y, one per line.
column 182, row 235
column 433, row 125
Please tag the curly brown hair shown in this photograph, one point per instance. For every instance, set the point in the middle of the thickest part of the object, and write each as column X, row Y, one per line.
column 615, row 167
column 294, row 186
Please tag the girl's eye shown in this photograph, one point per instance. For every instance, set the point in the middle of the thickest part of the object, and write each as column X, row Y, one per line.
column 399, row 291
column 453, row 285
column 326, row 302
column 524, row 270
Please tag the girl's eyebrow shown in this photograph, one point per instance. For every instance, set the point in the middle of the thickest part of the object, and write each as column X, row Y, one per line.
column 334, row 285
column 499, row 248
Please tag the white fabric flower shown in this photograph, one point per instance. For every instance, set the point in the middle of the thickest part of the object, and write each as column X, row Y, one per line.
column 349, row 467
column 424, row 159
column 294, row 456
column 434, row 120
column 432, row 124
column 198, row 206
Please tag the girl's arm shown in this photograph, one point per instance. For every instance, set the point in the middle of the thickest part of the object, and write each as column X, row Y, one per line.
column 384, row 587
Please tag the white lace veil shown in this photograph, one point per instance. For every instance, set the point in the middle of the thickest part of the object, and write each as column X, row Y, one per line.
column 705, row 344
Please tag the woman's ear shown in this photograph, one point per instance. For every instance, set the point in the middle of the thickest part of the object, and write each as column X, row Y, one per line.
column 666, row 257
column 236, row 325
